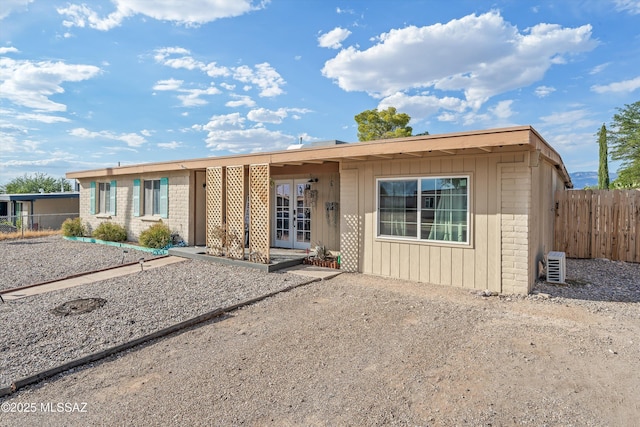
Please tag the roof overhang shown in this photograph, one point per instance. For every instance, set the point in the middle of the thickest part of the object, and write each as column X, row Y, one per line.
column 520, row 138
column 26, row 197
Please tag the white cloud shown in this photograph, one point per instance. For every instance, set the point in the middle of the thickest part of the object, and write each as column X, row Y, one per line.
column 169, row 84
column 228, row 133
column 599, row 68
column 502, row 110
column 543, row 91
column 625, row 86
column 170, row 145
column 42, row 118
column 240, row 101
column 491, row 57
column 341, row 11
column 334, row 38
column 167, row 57
column 263, row 115
column 192, row 97
column 188, row 97
column 421, row 106
column 574, row 119
column 630, row 6
column 9, row 6
column 9, row 49
column 262, row 75
column 131, row 139
column 30, row 84
column 191, row 13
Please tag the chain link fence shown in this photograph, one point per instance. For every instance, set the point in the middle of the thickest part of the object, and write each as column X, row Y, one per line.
column 37, row 222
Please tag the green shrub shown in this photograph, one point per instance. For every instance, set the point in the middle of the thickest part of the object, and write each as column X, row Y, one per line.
column 110, row 232
column 157, row 236
column 73, row 228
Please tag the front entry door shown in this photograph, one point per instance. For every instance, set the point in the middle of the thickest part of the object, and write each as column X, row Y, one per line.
column 292, row 218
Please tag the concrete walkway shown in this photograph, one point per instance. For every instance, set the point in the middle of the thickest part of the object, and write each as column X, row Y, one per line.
column 300, row 270
column 313, row 271
column 90, row 278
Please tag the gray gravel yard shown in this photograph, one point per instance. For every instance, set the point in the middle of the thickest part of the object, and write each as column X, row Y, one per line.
column 354, row 350
column 33, row 338
column 28, row 261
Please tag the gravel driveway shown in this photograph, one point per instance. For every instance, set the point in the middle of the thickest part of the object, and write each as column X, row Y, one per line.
column 363, row 350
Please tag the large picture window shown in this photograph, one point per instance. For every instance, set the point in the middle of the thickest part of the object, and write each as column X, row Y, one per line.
column 425, row 208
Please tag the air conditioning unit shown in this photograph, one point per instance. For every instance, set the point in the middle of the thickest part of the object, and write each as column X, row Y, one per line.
column 556, row 267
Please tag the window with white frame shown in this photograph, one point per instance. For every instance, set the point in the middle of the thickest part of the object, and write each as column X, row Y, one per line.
column 104, row 198
column 152, row 197
column 424, row 208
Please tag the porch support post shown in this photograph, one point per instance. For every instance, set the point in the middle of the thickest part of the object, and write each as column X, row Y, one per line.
column 215, row 198
column 259, row 230
column 235, row 212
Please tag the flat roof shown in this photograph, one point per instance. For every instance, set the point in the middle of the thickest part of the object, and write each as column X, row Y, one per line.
column 25, row 197
column 518, row 138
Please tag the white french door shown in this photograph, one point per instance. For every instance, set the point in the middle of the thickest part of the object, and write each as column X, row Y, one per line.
column 292, row 218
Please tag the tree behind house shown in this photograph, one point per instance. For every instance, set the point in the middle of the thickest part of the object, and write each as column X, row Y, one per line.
column 35, row 183
column 624, row 137
column 603, row 168
column 374, row 124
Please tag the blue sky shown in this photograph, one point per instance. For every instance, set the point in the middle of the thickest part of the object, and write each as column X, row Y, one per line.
column 94, row 84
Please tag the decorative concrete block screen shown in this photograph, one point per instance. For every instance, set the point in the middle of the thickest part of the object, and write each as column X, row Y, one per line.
column 259, row 213
column 215, row 210
column 235, row 212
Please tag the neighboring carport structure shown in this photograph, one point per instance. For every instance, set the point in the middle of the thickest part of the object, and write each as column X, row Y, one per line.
column 42, row 210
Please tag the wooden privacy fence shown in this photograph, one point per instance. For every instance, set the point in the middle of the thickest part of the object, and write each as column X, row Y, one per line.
column 598, row 224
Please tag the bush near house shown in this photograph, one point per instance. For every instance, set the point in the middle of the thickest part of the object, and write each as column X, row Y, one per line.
column 73, row 228
column 157, row 236
column 110, row 232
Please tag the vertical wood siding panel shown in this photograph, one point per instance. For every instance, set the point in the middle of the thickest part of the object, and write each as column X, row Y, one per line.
column 368, row 184
column 385, row 266
column 481, row 190
column 435, row 252
column 414, row 250
column 494, row 239
column 468, row 256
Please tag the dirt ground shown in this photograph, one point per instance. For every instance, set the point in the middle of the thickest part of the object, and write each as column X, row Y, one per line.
column 361, row 350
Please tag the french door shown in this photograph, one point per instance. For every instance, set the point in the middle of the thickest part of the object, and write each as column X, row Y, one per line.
column 292, row 217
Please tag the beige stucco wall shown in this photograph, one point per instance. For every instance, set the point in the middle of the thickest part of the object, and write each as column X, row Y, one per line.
column 53, row 212
column 504, row 190
column 179, row 205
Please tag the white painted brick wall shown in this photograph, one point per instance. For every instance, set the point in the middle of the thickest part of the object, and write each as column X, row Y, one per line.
column 178, row 219
column 514, row 225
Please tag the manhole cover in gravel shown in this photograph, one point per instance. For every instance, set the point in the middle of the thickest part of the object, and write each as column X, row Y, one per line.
column 79, row 306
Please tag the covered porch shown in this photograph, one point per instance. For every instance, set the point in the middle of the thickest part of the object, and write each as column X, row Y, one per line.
column 271, row 214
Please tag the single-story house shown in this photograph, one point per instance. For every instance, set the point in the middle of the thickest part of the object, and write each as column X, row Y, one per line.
column 39, row 210
column 469, row 209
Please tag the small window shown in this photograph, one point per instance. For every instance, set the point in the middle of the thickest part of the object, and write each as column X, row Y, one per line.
column 104, row 198
column 152, row 197
column 426, row 208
